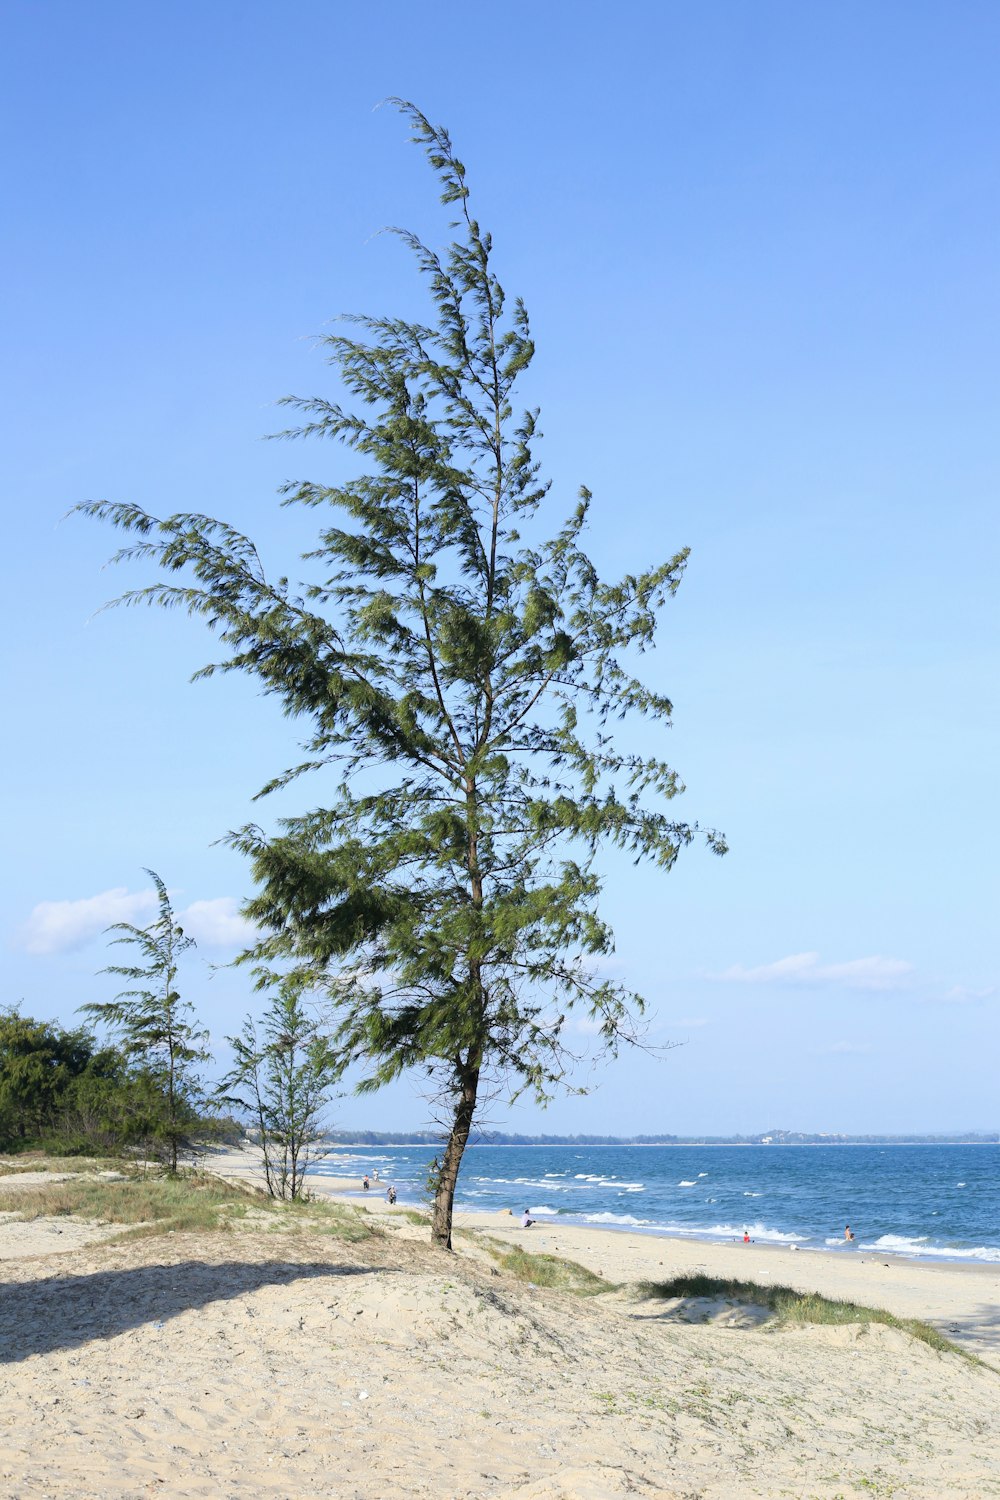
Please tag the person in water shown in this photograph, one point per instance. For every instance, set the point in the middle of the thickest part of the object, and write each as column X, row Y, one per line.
column 848, row 1232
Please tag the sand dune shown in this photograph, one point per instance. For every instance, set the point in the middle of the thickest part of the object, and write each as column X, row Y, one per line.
column 283, row 1364
column 962, row 1300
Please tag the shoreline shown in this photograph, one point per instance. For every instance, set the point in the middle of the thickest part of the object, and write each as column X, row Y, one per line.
column 958, row 1298
column 243, row 1162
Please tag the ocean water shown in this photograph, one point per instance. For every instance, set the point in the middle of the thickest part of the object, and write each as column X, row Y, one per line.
column 933, row 1202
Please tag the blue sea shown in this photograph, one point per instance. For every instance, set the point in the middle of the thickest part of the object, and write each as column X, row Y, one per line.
column 931, row 1202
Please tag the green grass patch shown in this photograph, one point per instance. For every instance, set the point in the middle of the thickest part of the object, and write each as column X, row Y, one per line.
column 154, row 1205
column 789, row 1306
column 412, row 1216
column 335, row 1219
column 35, row 1162
column 191, row 1202
column 548, row 1271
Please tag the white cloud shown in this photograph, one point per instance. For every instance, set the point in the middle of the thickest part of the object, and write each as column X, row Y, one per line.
column 873, row 973
column 961, row 994
column 217, row 923
column 62, row 926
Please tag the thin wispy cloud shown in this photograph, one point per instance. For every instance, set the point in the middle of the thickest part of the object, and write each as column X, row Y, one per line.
column 55, row 927
column 874, row 973
column 961, row 994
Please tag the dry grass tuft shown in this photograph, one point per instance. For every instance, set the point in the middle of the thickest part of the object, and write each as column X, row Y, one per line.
column 153, row 1205
column 548, row 1270
column 189, row 1203
column 789, row 1306
column 35, row 1162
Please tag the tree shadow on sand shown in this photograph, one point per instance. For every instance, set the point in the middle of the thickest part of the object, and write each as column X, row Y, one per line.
column 978, row 1333
column 63, row 1312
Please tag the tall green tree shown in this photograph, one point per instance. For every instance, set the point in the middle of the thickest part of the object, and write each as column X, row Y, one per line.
column 154, row 1023
column 462, row 670
column 282, row 1075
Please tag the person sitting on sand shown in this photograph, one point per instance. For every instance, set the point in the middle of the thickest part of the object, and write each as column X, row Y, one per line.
column 848, row 1232
column 746, row 1236
column 527, row 1221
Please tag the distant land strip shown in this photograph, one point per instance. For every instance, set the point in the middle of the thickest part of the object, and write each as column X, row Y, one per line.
column 766, row 1138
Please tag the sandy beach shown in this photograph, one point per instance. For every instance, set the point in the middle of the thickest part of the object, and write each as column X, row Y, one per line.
column 961, row 1300
column 280, row 1360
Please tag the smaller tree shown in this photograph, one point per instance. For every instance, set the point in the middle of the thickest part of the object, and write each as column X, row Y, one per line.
column 152, row 1020
column 282, row 1078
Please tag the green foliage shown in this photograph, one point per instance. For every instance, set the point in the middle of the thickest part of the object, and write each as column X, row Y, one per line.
column 39, row 1064
column 281, row 1077
column 154, row 1024
column 61, row 1093
column 132, row 1109
column 461, row 671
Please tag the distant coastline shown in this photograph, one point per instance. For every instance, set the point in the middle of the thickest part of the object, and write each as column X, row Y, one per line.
column 765, row 1138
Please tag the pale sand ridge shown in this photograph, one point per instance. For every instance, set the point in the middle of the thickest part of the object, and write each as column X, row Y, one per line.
column 275, row 1363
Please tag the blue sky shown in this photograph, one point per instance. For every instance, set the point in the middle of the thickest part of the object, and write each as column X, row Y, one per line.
column 759, row 248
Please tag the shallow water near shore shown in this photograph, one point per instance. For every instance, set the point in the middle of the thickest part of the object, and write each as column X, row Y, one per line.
column 930, row 1202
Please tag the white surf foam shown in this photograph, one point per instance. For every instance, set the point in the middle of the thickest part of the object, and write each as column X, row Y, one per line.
column 733, row 1232
column 917, row 1245
column 626, row 1219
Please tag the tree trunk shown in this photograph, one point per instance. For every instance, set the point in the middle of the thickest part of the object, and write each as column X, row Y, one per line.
column 444, row 1194
column 173, row 1111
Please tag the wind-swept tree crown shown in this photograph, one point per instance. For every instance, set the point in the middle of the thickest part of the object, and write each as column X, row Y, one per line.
column 463, row 676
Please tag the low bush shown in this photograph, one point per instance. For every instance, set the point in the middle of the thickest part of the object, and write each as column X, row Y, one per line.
column 790, row 1306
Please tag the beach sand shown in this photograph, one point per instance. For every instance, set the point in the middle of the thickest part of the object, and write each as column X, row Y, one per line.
column 284, row 1362
column 961, row 1300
